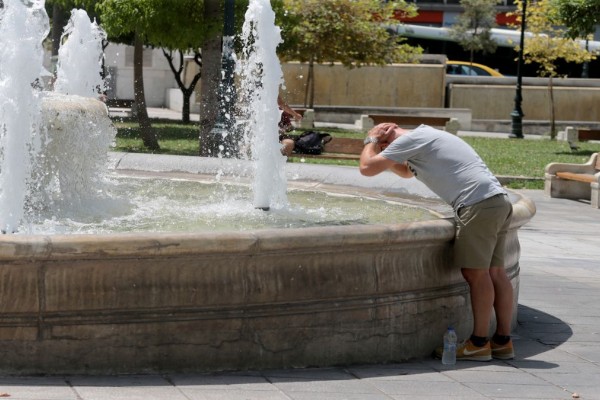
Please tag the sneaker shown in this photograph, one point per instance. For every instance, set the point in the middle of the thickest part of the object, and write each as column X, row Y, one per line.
column 469, row 352
column 503, row 351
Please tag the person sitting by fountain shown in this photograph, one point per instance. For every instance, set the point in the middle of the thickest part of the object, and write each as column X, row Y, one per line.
column 482, row 213
column 285, row 126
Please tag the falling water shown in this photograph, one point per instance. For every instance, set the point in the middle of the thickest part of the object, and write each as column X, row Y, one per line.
column 261, row 77
column 70, row 173
column 23, row 27
column 80, row 57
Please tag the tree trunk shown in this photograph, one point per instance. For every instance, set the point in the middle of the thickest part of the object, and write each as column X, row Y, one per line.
column 309, row 92
column 58, row 23
column 185, row 112
column 179, row 75
column 552, row 110
column 148, row 135
column 210, row 79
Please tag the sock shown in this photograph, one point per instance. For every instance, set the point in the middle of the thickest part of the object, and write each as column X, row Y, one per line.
column 479, row 341
column 501, row 339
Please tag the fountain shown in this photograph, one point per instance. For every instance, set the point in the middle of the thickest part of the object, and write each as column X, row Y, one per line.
column 264, row 298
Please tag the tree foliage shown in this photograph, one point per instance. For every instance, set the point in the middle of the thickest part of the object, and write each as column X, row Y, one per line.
column 350, row 32
column 548, row 42
column 579, row 16
column 473, row 27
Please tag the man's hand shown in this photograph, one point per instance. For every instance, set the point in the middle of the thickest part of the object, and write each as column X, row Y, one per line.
column 384, row 133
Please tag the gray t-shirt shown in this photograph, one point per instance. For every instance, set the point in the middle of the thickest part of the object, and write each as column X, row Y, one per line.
column 446, row 164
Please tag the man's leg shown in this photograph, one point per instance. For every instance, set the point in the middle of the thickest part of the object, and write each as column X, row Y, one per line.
column 503, row 302
column 287, row 147
column 482, row 298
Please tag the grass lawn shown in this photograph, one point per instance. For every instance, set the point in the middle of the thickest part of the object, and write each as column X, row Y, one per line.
column 515, row 158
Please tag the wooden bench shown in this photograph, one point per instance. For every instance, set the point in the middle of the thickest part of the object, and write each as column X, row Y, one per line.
column 449, row 124
column 574, row 181
column 339, row 149
column 121, row 107
column 588, row 134
column 573, row 135
column 409, row 121
column 119, row 103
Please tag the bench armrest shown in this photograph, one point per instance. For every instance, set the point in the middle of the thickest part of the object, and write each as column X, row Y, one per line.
column 587, row 168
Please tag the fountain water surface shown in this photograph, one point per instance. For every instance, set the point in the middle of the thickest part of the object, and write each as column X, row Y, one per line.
column 260, row 298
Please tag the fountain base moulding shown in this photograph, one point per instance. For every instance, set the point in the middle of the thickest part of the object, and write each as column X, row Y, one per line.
column 268, row 298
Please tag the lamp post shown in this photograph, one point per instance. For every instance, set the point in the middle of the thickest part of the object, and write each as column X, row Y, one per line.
column 517, row 113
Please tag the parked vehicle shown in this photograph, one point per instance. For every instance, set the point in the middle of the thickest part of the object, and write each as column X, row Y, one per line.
column 470, row 69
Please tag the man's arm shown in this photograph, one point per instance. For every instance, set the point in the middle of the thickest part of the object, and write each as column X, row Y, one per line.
column 402, row 170
column 371, row 162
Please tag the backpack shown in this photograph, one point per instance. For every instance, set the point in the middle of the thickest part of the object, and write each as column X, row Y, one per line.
column 311, row 142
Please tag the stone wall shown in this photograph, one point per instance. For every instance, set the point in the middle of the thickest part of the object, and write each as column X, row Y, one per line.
column 398, row 85
column 497, row 101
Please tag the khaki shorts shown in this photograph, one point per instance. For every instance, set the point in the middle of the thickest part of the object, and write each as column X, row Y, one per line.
column 481, row 233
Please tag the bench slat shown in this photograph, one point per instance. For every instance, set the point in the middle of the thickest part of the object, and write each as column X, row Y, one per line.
column 587, row 178
column 404, row 120
column 120, row 103
column 588, row 134
column 339, row 149
column 330, row 156
column 344, row 146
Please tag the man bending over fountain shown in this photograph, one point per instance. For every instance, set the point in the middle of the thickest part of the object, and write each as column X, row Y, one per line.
column 482, row 212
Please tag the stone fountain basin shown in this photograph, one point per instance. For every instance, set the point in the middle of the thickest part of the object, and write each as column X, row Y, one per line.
column 273, row 298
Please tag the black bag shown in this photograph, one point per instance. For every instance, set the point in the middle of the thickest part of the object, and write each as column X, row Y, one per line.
column 311, row 142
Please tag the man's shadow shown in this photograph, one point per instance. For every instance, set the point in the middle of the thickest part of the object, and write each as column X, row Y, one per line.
column 539, row 332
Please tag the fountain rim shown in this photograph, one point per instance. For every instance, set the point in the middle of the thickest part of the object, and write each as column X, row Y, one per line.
column 302, row 176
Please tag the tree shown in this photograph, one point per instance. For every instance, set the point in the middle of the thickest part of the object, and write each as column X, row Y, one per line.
column 547, row 43
column 138, row 18
column 351, row 32
column 473, row 27
column 580, row 17
column 178, row 69
column 212, row 66
column 179, row 29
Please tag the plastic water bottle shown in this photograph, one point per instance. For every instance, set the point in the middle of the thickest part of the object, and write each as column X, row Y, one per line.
column 449, row 353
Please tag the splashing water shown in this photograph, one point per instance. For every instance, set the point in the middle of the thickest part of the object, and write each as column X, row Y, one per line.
column 80, row 57
column 74, row 161
column 261, row 76
column 70, row 173
column 23, row 27
column 53, row 146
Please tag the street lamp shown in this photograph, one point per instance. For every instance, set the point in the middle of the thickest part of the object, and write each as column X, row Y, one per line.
column 517, row 114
